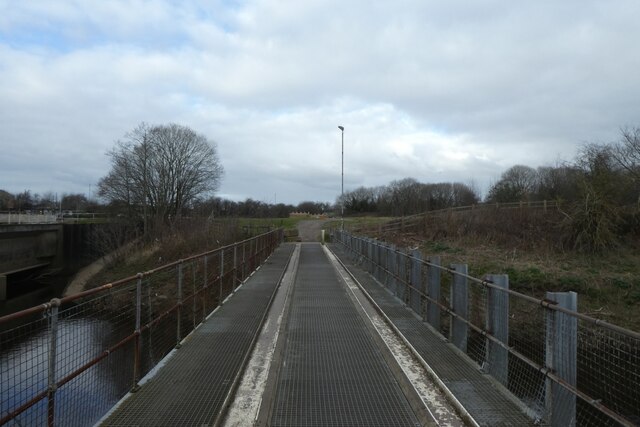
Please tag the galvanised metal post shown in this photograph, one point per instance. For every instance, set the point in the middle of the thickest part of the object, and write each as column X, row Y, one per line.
column 498, row 326
column 53, row 344
column 136, row 355
column 460, row 305
column 561, row 357
column 433, row 287
column 415, row 298
column 179, row 310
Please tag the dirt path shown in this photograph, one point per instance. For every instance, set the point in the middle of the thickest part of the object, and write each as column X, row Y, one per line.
column 309, row 230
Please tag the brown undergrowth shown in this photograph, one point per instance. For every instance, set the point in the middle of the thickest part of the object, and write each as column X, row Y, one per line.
column 532, row 249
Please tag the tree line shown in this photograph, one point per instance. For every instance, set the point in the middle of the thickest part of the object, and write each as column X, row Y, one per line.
column 28, row 201
column 407, row 197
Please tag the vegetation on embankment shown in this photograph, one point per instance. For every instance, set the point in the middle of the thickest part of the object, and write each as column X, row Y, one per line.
column 528, row 246
column 168, row 244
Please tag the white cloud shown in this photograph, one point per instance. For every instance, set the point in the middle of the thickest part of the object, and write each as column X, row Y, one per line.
column 438, row 91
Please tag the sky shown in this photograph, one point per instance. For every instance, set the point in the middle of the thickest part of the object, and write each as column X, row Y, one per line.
column 434, row 90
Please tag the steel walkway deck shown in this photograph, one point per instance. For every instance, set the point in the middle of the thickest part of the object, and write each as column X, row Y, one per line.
column 192, row 386
column 332, row 373
column 475, row 391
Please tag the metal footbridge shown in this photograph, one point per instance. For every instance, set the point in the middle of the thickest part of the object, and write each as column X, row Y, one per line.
column 321, row 357
column 352, row 333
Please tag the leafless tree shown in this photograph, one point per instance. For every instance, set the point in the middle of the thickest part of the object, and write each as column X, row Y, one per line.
column 161, row 169
column 516, row 183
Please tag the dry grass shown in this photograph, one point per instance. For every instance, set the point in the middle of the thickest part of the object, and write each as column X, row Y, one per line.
column 530, row 248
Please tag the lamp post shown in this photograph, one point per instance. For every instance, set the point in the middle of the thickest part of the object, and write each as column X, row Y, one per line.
column 342, row 190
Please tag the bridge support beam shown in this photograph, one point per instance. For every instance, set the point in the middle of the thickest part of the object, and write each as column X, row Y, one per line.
column 561, row 353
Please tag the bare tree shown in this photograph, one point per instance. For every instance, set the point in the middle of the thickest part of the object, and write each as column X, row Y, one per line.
column 516, row 183
column 627, row 154
column 163, row 169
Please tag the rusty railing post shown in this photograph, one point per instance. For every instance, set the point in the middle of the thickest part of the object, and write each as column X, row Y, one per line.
column 221, row 274
column 179, row 307
column 204, row 290
column 53, row 353
column 136, row 351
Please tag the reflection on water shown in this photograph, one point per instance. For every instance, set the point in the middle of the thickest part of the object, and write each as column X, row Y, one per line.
column 24, row 370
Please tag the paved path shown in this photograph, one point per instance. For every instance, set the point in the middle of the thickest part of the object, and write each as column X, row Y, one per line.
column 309, row 230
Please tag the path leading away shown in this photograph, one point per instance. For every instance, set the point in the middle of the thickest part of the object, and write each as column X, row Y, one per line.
column 309, row 230
column 302, row 343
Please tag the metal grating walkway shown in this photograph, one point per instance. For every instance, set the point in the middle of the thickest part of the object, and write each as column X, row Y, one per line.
column 191, row 388
column 472, row 388
column 332, row 373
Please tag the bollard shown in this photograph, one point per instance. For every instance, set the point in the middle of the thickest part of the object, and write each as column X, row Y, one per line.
column 460, row 306
column 497, row 324
column 561, row 353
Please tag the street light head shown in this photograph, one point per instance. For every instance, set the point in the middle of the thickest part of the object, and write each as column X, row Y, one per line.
column 341, row 128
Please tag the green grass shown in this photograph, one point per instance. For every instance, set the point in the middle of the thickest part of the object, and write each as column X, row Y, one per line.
column 286, row 223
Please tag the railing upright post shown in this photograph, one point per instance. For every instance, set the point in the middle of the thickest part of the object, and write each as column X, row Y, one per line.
column 221, row 274
column 194, row 298
column 136, row 355
column 204, row 289
column 243, row 273
column 53, row 354
column 498, row 326
column 393, row 270
column 415, row 299
column 561, row 354
column 235, row 267
column 459, row 330
column 433, row 292
column 179, row 310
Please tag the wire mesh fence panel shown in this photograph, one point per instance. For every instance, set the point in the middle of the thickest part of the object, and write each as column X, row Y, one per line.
column 609, row 370
column 24, row 369
column 527, row 337
column 564, row 367
column 445, row 301
column 477, row 345
column 69, row 364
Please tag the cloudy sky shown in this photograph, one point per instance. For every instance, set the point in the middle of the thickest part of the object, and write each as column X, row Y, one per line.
column 435, row 90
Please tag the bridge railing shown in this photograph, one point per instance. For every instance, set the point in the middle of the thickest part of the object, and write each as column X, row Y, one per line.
column 564, row 368
column 69, row 361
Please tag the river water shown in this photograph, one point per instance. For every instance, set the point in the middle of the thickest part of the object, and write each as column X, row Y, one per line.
column 24, row 360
